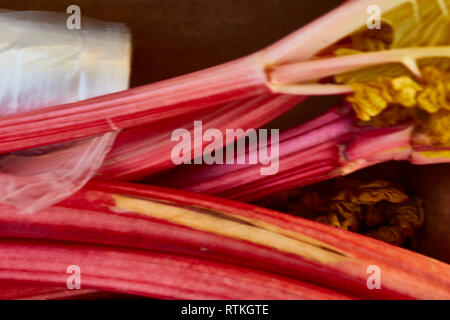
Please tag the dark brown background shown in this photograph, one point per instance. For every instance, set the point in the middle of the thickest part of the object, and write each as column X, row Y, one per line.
column 174, row 37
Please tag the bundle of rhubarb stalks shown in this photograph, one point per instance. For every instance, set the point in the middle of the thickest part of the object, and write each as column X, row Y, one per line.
column 92, row 203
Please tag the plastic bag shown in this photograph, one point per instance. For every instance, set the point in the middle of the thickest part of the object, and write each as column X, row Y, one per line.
column 43, row 63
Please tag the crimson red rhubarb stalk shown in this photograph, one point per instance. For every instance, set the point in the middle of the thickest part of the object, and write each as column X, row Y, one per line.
column 147, row 220
column 146, row 273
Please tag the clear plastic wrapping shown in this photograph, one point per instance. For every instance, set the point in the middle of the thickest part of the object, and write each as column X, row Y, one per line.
column 43, row 63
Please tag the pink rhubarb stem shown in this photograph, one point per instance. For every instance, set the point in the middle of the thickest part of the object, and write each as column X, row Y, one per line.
column 145, row 150
column 325, row 31
column 330, row 146
column 147, row 104
column 326, row 129
column 321, row 68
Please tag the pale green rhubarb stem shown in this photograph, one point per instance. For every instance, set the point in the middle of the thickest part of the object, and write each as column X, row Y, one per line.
column 288, row 78
column 325, row 31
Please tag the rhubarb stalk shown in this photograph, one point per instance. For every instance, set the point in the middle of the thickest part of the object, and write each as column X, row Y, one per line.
column 329, row 146
column 145, row 273
column 147, row 220
column 142, row 151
